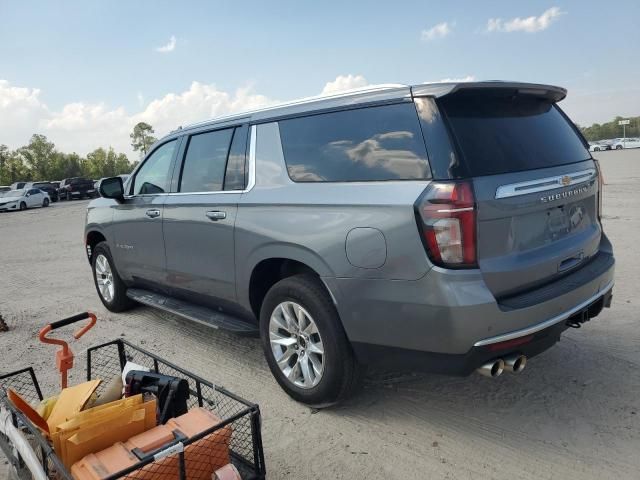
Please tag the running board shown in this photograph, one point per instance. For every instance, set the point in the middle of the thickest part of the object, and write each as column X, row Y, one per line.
column 196, row 313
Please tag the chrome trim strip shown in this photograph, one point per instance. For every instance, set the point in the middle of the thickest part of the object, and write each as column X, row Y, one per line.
column 546, row 324
column 252, row 158
column 543, row 184
column 455, row 210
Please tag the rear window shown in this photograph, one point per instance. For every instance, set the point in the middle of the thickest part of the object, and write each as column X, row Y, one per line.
column 503, row 132
column 366, row 144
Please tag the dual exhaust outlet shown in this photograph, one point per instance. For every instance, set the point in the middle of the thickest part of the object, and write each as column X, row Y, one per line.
column 511, row 363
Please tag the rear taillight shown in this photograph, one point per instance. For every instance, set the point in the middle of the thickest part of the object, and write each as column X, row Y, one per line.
column 600, row 188
column 447, row 219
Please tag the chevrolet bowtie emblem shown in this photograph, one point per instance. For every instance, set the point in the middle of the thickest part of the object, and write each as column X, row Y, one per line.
column 566, row 180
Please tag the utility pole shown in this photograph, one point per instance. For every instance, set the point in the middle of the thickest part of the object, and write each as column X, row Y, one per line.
column 624, row 124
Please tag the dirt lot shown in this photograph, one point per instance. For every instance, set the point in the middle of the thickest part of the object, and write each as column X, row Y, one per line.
column 573, row 413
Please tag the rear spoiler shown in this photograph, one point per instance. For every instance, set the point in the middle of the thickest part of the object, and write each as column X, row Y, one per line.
column 551, row 92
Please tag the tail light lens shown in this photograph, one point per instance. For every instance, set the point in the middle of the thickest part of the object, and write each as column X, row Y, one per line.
column 447, row 220
column 600, row 188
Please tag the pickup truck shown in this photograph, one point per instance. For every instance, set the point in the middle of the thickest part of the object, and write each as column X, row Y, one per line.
column 76, row 187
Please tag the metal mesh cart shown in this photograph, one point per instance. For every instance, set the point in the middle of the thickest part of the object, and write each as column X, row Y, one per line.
column 241, row 420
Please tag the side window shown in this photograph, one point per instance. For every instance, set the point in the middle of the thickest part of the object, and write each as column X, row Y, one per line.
column 234, row 177
column 205, row 161
column 154, row 176
column 365, row 144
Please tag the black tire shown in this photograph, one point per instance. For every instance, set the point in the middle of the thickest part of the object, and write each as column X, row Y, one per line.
column 342, row 374
column 45, row 202
column 120, row 301
column 23, row 206
column 618, row 147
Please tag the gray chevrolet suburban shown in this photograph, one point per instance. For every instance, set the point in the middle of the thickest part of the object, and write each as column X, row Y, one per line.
column 446, row 227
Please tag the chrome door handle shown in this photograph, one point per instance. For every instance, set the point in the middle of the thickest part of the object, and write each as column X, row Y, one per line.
column 153, row 213
column 216, row 215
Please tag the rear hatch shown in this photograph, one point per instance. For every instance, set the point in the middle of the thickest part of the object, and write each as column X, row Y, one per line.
column 535, row 186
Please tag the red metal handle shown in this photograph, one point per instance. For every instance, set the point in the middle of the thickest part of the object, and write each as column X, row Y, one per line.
column 67, row 321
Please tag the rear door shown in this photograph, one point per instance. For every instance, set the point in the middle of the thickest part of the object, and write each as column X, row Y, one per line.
column 34, row 197
column 199, row 218
column 535, row 186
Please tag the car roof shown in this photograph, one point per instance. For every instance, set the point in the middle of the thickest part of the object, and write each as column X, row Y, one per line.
column 363, row 96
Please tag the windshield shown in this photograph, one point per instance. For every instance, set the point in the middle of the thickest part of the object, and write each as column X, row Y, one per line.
column 503, row 132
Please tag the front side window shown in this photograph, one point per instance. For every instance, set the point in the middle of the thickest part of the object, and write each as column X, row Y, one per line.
column 154, row 176
column 205, row 161
column 365, row 144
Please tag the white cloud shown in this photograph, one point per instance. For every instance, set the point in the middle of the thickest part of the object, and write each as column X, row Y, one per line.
column 19, row 107
column 343, row 83
column 169, row 47
column 440, row 30
column 82, row 127
column 529, row 24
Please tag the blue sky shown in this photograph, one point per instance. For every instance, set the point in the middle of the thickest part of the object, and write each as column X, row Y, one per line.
column 82, row 71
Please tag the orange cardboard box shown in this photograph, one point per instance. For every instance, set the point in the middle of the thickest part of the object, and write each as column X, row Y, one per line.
column 202, row 458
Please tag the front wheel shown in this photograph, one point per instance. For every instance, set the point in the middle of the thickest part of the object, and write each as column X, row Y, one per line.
column 45, row 202
column 304, row 343
column 23, row 206
column 618, row 147
column 111, row 289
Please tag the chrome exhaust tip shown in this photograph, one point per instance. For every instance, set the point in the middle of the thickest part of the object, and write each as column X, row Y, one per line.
column 515, row 363
column 492, row 369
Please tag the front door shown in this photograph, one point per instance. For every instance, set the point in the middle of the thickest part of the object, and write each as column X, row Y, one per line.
column 137, row 221
column 199, row 219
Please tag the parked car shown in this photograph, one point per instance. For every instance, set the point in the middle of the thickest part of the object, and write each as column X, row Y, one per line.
column 76, row 187
column 23, row 199
column 599, row 146
column 630, row 142
column 4, row 189
column 45, row 187
column 18, row 185
column 324, row 226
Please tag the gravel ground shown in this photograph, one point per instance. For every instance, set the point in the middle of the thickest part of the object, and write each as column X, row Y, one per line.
column 574, row 413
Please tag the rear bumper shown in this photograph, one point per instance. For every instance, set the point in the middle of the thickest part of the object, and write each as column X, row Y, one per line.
column 537, row 342
column 453, row 313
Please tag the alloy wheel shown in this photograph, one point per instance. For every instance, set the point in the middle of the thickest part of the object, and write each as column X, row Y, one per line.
column 104, row 278
column 296, row 344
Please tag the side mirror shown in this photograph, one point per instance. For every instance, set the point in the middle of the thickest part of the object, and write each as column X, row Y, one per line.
column 112, row 188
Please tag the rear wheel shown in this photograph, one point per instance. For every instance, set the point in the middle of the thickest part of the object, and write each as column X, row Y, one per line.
column 618, row 147
column 304, row 343
column 110, row 287
column 45, row 202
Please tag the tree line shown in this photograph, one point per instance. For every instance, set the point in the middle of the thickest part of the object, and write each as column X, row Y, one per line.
column 611, row 129
column 39, row 160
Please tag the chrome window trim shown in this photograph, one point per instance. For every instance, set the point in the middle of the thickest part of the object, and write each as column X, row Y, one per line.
column 543, row 184
column 546, row 324
column 251, row 181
